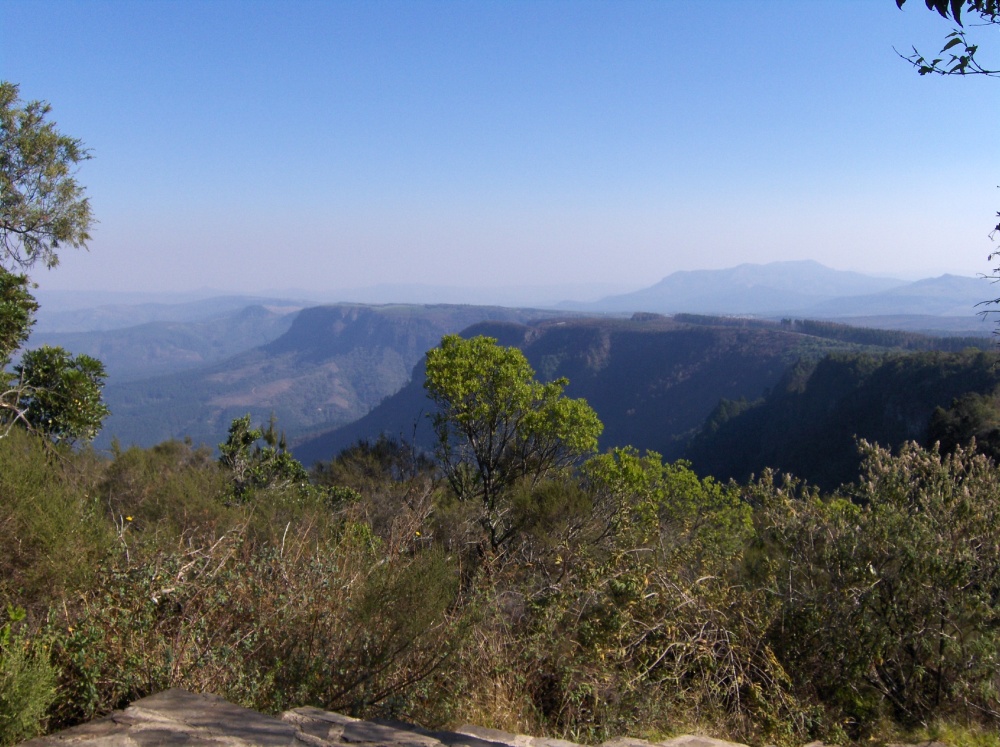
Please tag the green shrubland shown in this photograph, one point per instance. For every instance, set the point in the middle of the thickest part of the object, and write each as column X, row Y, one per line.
column 628, row 596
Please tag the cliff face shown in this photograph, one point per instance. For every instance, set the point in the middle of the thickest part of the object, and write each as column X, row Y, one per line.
column 810, row 422
column 651, row 379
column 331, row 366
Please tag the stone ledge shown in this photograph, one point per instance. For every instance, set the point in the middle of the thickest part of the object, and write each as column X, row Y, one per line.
column 178, row 718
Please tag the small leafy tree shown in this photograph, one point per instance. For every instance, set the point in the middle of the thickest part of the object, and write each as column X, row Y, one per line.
column 255, row 467
column 42, row 208
column 61, row 394
column 497, row 426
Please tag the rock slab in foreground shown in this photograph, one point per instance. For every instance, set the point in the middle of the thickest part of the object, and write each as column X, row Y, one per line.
column 177, row 718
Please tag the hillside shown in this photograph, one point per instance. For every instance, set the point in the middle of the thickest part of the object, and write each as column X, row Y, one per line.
column 332, row 365
column 102, row 312
column 944, row 296
column 808, row 424
column 166, row 347
column 653, row 380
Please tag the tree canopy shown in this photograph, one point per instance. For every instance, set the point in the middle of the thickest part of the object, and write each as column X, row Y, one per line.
column 42, row 208
column 497, row 426
column 61, row 396
column 958, row 55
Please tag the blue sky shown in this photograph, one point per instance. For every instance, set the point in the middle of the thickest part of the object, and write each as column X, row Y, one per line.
column 252, row 146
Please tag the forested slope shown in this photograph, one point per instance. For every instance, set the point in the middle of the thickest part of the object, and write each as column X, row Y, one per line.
column 332, row 366
column 652, row 379
column 810, row 422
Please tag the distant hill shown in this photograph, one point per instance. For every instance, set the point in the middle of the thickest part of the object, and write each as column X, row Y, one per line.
column 158, row 348
column 808, row 289
column 747, row 289
column 948, row 296
column 653, row 380
column 809, row 422
column 61, row 314
column 331, row 366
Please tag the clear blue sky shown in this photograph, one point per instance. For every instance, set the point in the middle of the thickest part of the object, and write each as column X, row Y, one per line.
column 322, row 145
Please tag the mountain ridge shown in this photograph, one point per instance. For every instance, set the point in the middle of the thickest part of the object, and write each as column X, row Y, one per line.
column 797, row 288
column 653, row 380
column 332, row 365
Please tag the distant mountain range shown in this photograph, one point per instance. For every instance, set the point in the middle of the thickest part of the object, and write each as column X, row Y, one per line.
column 164, row 347
column 946, row 296
column 803, row 289
column 800, row 288
column 187, row 368
column 653, row 380
column 63, row 316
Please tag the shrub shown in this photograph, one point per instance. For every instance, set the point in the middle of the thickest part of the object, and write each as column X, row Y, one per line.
column 270, row 623
column 889, row 600
column 50, row 537
column 27, row 681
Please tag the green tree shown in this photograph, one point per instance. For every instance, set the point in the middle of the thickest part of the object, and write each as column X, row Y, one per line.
column 17, row 308
column 61, row 394
column 256, row 467
column 42, row 208
column 497, row 426
column 958, row 55
column 972, row 416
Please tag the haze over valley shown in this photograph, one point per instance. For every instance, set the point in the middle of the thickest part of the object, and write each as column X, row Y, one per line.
column 655, row 363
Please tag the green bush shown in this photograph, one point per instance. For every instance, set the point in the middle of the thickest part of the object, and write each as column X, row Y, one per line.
column 296, row 619
column 889, row 600
column 631, row 597
column 160, row 494
column 27, row 681
column 49, row 529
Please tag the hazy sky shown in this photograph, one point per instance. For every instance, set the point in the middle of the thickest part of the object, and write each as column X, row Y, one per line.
column 320, row 145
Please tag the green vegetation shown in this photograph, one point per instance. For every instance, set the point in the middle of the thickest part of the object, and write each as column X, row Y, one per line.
column 27, row 681
column 62, row 394
column 809, row 424
column 42, row 209
column 627, row 596
column 498, row 427
column 252, row 467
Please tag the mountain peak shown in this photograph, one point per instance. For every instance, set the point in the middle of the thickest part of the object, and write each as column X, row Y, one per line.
column 773, row 288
